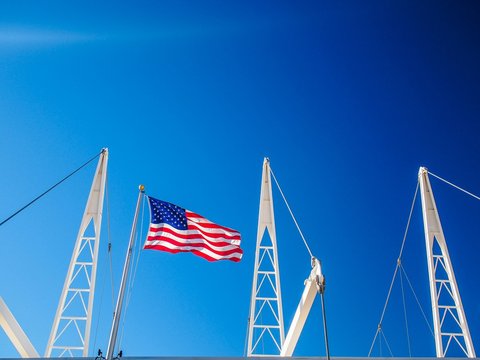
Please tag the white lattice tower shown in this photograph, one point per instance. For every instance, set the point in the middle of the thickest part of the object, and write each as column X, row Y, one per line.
column 450, row 323
column 70, row 332
column 266, row 332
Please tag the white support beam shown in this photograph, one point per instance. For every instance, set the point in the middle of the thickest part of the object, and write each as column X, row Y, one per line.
column 312, row 287
column 443, row 285
column 70, row 332
column 15, row 333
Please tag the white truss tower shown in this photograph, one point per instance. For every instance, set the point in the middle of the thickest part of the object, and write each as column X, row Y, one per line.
column 450, row 323
column 266, row 333
column 70, row 332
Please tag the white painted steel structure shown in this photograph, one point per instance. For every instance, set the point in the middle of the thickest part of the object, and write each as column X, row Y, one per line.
column 450, row 322
column 266, row 314
column 70, row 332
column 313, row 285
column 15, row 333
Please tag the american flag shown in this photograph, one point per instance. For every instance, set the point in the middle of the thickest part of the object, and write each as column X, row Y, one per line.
column 175, row 229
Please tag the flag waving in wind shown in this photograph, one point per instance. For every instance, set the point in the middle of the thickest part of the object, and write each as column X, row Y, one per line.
column 174, row 229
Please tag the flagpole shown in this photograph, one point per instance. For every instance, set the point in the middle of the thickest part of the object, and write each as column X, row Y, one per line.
column 118, row 307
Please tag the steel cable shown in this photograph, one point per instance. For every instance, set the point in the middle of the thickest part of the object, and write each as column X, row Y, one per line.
column 50, row 189
column 396, row 269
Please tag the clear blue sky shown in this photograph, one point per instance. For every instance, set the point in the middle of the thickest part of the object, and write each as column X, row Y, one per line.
column 347, row 99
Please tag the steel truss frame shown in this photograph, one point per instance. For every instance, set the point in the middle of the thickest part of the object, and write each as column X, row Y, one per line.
column 443, row 285
column 266, row 278
column 70, row 332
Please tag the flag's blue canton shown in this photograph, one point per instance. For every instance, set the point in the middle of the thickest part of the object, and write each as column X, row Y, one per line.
column 167, row 213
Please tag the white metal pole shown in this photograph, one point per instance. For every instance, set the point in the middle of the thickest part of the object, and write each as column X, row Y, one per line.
column 121, row 292
column 314, row 284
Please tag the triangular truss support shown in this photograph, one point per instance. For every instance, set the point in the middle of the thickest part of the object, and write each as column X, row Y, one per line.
column 70, row 332
column 266, row 333
column 449, row 320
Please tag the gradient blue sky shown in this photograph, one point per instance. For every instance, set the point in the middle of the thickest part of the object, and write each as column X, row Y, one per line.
column 347, row 99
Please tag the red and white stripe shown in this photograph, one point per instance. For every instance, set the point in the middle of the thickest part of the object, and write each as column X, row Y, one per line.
column 202, row 237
